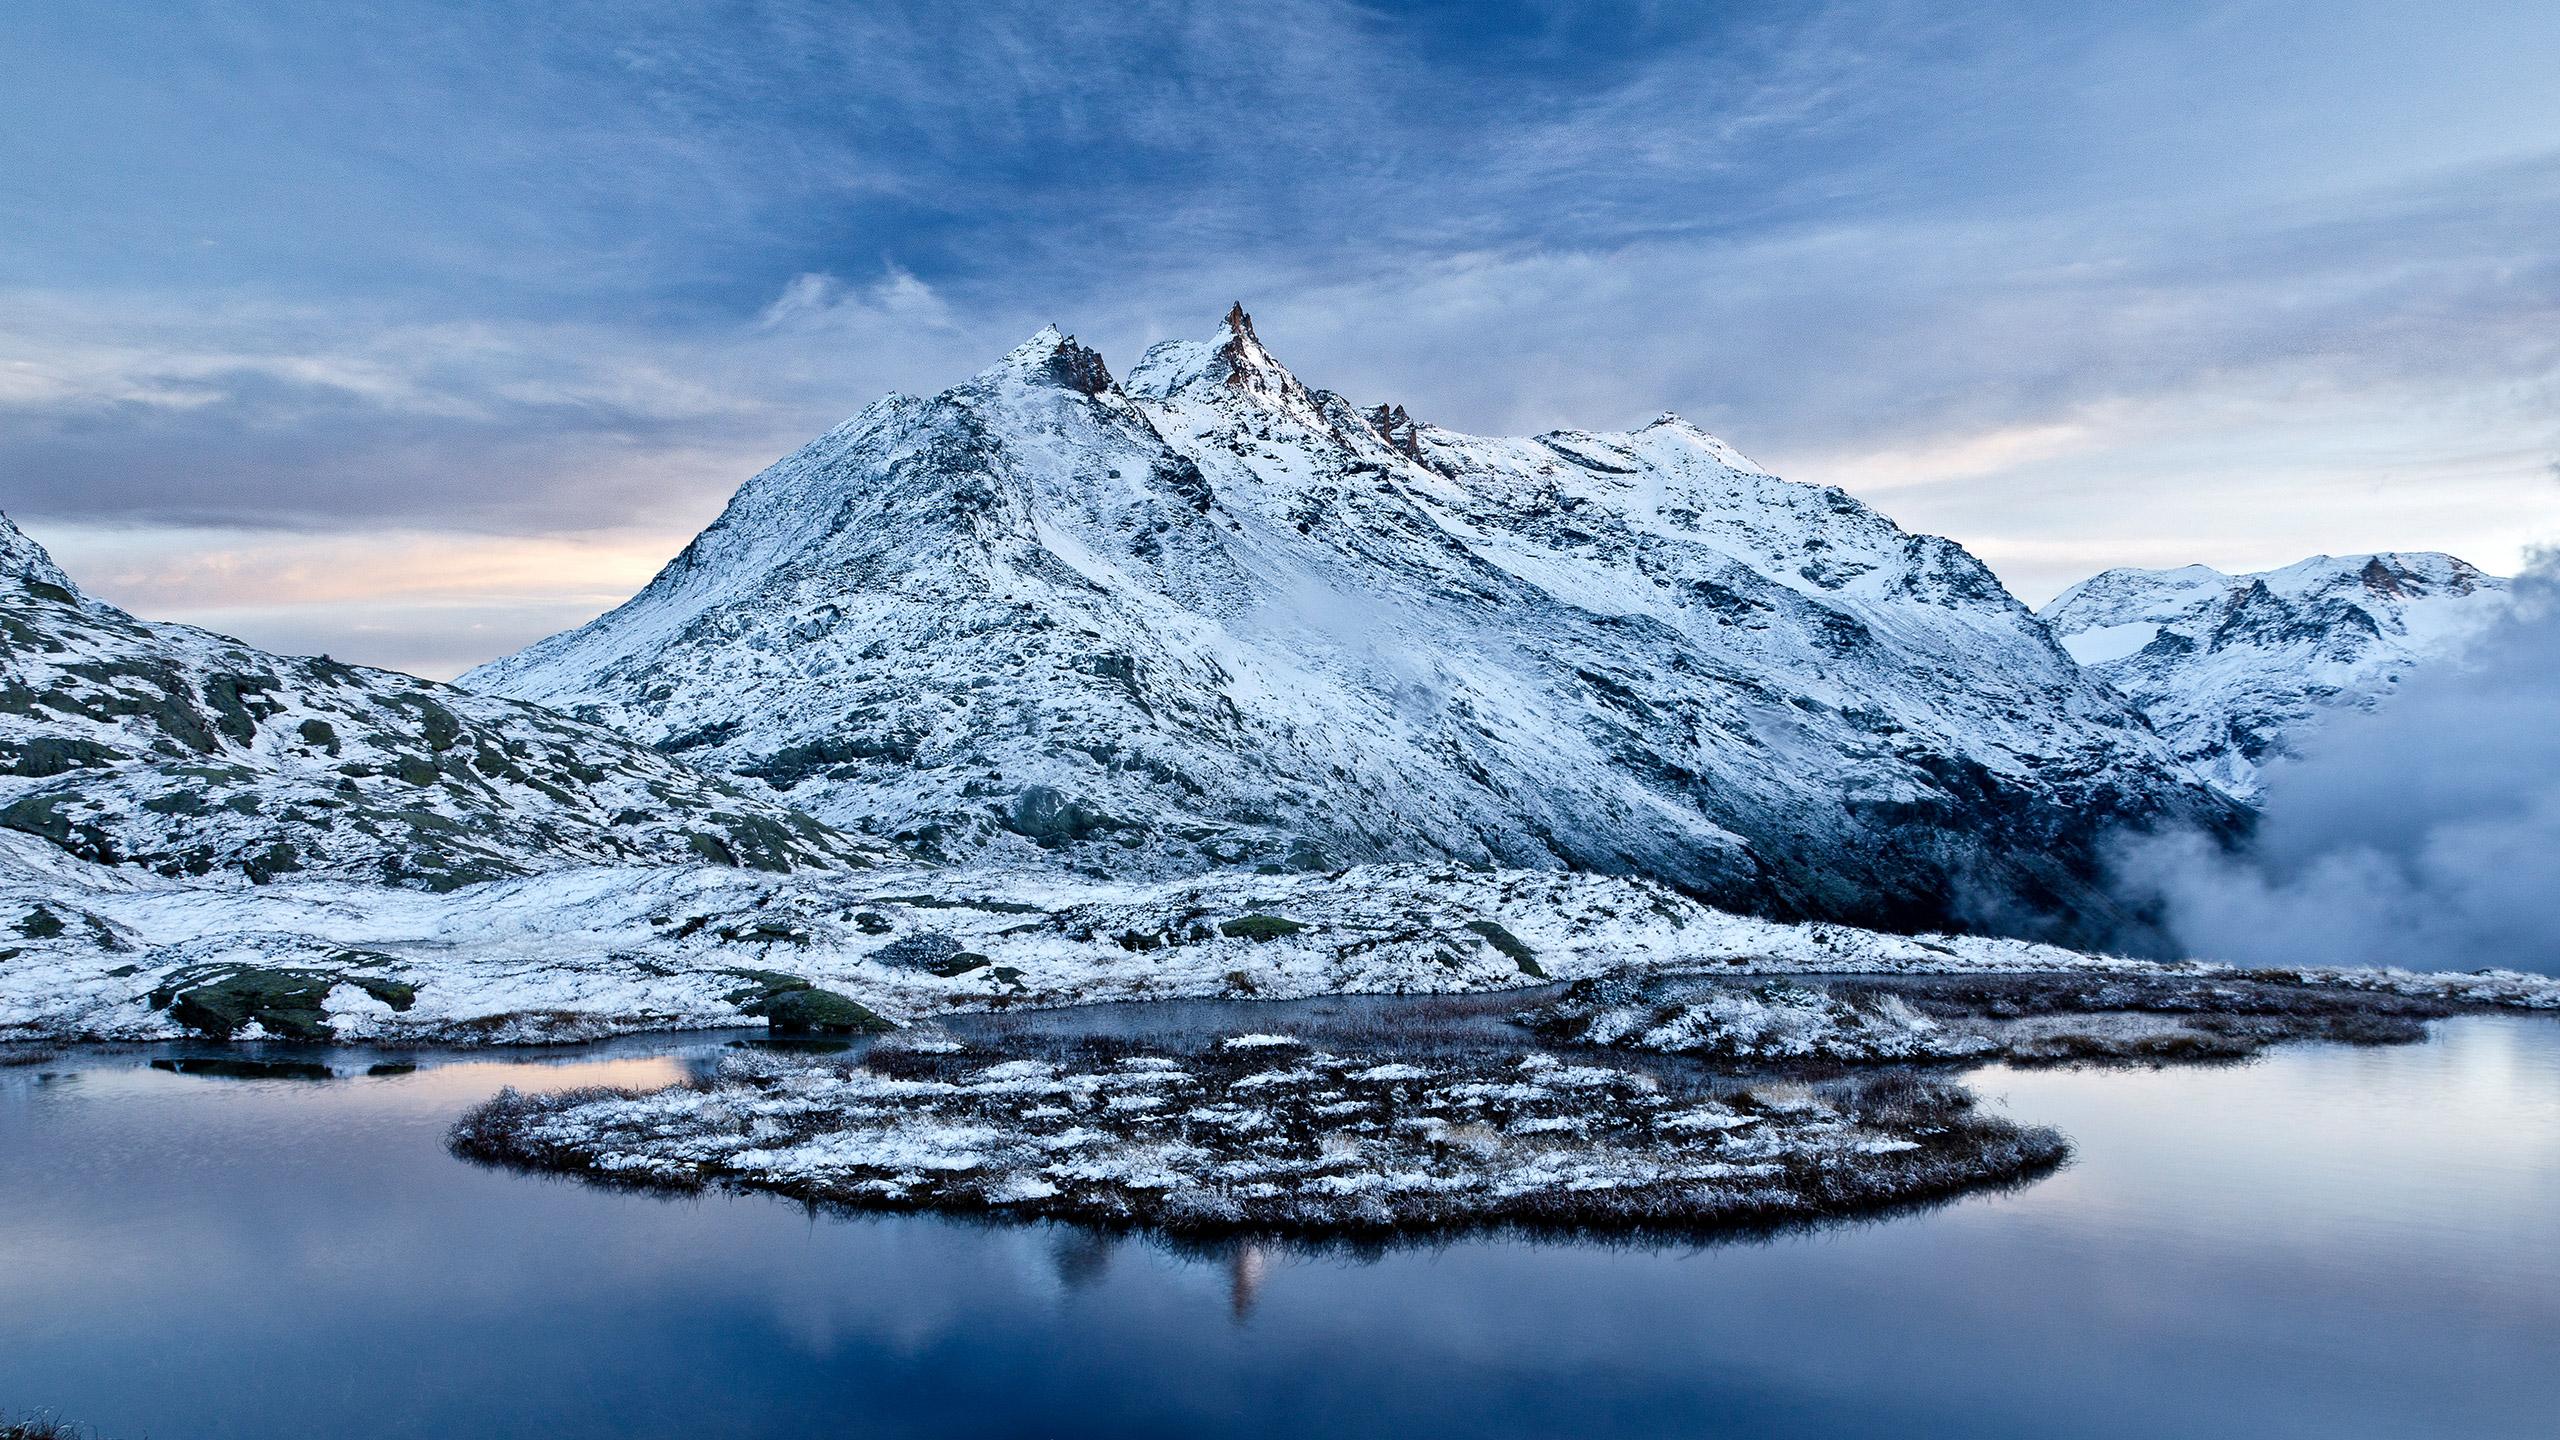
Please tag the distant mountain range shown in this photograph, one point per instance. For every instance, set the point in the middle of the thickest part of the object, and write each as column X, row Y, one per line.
column 2236, row 670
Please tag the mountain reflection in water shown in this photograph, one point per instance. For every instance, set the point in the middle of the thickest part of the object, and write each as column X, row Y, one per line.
column 2329, row 1242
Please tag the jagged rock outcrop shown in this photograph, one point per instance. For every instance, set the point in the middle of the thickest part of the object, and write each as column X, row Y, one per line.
column 133, row 742
column 1213, row 616
column 2235, row 670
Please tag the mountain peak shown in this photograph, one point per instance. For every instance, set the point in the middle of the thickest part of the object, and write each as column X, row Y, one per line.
column 1233, row 361
column 1221, row 619
column 1248, row 367
column 1053, row 356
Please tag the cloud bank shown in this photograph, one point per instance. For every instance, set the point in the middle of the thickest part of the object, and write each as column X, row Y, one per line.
column 2425, row 833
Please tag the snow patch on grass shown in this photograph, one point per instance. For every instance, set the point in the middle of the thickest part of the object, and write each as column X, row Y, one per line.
column 1204, row 1139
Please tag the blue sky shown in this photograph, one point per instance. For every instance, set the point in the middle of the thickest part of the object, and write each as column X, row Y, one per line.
column 411, row 332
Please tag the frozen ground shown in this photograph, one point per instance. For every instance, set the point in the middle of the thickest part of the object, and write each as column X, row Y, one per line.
column 90, row 952
column 1272, row 1132
column 1623, row 1101
column 2156, row 1017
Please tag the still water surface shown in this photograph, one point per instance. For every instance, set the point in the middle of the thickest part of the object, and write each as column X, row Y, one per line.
column 2329, row 1242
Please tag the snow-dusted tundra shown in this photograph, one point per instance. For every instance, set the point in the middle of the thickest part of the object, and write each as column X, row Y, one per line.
column 109, row 953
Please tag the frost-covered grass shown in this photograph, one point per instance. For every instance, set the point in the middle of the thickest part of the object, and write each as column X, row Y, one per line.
column 1774, row 1020
column 2023, row 1019
column 1624, row 1101
column 126, row 955
column 1273, row 1133
column 43, row 1427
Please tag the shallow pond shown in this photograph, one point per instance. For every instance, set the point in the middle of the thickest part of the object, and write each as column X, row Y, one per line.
column 2328, row 1242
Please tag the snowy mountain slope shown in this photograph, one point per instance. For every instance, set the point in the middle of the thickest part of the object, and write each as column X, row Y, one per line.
column 1216, row 617
column 2234, row 669
column 25, row 562
column 168, row 747
column 583, row 952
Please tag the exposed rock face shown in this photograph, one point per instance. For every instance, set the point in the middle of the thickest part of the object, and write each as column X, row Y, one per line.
column 131, row 742
column 1211, row 616
column 2236, row 669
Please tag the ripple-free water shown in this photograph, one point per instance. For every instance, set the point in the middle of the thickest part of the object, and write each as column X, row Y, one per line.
column 2329, row 1242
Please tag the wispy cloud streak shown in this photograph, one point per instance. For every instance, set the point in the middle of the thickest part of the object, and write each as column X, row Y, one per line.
column 2080, row 287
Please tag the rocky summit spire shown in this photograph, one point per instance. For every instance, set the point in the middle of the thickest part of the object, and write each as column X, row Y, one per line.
column 1252, row 368
column 1398, row 429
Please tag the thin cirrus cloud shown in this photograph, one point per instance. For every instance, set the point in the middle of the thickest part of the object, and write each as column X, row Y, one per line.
column 2142, row 285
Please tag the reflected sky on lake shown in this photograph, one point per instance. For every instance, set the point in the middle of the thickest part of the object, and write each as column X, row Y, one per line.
column 2328, row 1242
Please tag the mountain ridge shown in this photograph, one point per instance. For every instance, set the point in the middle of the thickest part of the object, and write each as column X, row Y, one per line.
column 2237, row 671
column 1212, row 616
column 139, row 742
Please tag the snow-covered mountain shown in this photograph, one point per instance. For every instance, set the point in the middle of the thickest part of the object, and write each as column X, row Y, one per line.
column 2235, row 669
column 134, row 742
column 1215, row 617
